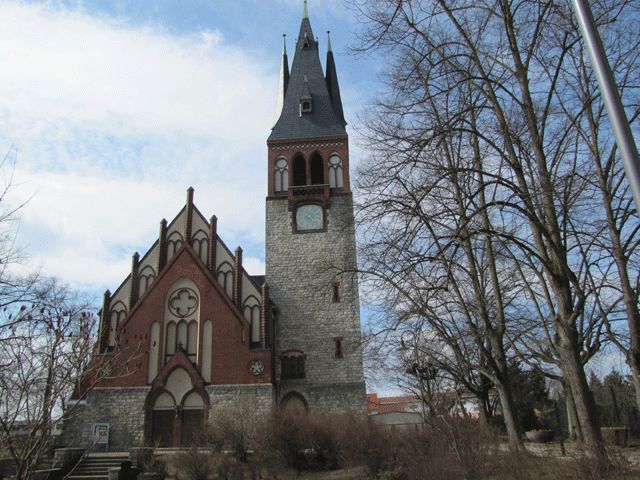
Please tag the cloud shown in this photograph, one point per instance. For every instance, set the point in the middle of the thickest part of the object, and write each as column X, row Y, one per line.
column 113, row 122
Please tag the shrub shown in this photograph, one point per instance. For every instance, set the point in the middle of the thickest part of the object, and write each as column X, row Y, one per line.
column 194, row 464
column 304, row 442
column 234, row 429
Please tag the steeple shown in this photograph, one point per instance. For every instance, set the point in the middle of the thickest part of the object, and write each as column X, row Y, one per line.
column 332, row 82
column 284, row 79
column 310, row 109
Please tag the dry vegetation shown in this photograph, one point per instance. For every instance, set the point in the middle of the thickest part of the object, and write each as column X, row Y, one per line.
column 350, row 447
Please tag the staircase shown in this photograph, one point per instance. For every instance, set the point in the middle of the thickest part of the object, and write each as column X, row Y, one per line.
column 95, row 466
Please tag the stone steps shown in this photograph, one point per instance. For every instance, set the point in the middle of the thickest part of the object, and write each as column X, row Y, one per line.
column 95, row 466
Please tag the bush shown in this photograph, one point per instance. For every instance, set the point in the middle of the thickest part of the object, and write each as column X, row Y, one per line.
column 305, row 442
column 235, row 429
column 194, row 464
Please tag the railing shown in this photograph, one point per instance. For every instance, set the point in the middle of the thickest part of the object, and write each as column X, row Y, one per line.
column 301, row 193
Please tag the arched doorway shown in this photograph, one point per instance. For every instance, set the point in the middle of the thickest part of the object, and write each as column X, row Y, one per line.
column 293, row 404
column 299, row 171
column 176, row 411
column 163, row 420
column 192, row 426
column 317, row 170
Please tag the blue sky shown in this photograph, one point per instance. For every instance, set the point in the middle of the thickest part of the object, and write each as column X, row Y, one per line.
column 111, row 109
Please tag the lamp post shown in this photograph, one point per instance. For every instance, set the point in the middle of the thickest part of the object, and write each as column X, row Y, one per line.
column 424, row 373
column 611, row 96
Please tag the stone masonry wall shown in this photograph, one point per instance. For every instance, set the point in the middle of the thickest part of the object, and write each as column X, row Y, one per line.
column 300, row 271
column 259, row 398
column 122, row 408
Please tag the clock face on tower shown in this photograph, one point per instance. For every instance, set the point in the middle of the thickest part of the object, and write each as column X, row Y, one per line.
column 309, row 218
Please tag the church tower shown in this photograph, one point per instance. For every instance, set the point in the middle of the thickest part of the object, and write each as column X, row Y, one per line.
column 310, row 239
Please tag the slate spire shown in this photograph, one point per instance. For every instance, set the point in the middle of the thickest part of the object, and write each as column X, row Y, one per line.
column 284, row 79
column 332, row 82
column 309, row 109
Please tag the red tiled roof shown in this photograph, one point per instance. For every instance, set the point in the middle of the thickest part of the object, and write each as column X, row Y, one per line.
column 389, row 404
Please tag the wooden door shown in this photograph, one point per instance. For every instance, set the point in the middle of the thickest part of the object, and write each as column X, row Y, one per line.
column 162, row 427
column 191, row 427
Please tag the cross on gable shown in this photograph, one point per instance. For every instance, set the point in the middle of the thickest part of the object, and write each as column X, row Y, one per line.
column 183, row 302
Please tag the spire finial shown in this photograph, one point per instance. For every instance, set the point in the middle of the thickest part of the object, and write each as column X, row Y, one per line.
column 329, row 41
column 306, row 10
column 284, row 44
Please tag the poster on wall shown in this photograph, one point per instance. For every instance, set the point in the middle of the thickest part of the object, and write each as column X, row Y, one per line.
column 100, row 433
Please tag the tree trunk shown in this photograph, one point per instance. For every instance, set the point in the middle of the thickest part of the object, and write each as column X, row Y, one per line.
column 583, row 399
column 635, row 376
column 575, row 433
column 483, row 411
column 510, row 421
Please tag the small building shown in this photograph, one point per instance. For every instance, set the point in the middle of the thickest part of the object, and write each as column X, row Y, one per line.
column 397, row 412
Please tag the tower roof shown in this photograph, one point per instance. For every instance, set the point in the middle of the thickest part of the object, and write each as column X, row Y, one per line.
column 325, row 117
column 332, row 83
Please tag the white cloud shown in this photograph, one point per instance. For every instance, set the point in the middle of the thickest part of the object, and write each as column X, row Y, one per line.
column 254, row 266
column 113, row 123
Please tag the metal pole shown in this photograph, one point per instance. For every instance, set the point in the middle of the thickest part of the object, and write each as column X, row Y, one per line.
column 611, row 97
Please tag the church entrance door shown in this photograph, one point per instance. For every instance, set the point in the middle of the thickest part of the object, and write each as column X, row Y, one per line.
column 293, row 404
column 191, row 428
column 162, row 427
column 192, row 420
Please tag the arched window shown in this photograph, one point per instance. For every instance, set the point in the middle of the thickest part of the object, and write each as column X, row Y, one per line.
column 200, row 243
column 292, row 364
column 154, row 351
column 225, row 277
column 251, row 311
column 146, row 278
column 335, row 172
column 299, row 171
column 174, row 242
column 281, row 175
column 192, row 341
column 170, row 341
column 182, row 315
column 317, row 170
column 117, row 316
column 182, row 335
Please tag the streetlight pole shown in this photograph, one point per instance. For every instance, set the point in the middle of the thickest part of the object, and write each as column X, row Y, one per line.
column 611, row 97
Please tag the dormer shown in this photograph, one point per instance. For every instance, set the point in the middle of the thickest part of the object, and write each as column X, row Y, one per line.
column 306, row 100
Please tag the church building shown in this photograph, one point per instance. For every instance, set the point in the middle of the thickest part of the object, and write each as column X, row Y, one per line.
column 189, row 330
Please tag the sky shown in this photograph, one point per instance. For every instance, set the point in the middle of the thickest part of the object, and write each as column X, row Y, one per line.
column 110, row 110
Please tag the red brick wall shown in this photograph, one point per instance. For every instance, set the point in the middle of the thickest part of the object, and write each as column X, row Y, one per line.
column 231, row 333
column 324, row 146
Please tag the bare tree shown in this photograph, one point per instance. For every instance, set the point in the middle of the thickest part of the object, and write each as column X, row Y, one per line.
column 501, row 75
column 428, row 242
column 44, row 348
column 613, row 238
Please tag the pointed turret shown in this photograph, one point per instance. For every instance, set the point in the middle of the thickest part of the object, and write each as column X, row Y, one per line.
column 284, row 79
column 308, row 109
column 332, row 82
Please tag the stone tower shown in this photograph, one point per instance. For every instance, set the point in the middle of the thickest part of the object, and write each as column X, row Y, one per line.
column 310, row 237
